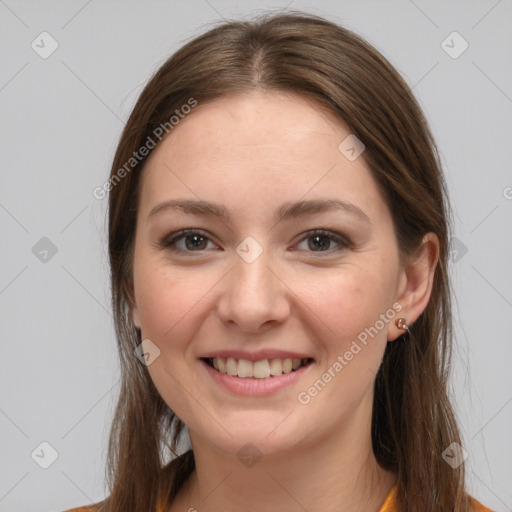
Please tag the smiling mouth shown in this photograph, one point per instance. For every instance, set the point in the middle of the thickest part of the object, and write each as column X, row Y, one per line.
column 263, row 369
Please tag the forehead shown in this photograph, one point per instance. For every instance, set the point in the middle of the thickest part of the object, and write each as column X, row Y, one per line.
column 252, row 120
column 254, row 149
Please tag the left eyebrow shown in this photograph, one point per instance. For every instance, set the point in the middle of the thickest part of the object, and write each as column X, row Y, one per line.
column 285, row 212
column 301, row 208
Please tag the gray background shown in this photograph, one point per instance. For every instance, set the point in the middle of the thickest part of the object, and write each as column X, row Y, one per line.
column 61, row 118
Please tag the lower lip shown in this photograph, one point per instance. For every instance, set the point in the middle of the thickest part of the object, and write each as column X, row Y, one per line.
column 252, row 386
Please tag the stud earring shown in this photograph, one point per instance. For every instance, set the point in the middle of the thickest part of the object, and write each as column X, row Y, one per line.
column 401, row 324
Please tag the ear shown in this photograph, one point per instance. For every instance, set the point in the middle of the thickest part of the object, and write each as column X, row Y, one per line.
column 415, row 283
column 135, row 317
column 129, row 292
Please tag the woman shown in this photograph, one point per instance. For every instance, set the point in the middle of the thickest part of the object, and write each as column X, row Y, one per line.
column 278, row 236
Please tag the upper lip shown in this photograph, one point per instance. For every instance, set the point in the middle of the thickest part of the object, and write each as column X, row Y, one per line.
column 255, row 356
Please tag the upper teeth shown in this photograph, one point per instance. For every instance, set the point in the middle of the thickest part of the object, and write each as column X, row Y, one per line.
column 259, row 369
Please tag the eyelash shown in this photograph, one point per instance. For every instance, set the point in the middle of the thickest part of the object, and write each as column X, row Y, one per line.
column 170, row 241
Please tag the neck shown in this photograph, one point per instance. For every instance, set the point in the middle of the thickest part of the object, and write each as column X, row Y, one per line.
column 338, row 473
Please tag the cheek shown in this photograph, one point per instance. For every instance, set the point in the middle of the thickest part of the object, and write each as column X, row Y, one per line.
column 347, row 301
column 165, row 299
column 169, row 304
column 348, row 306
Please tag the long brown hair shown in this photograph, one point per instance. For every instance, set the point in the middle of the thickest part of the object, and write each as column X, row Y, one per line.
column 413, row 420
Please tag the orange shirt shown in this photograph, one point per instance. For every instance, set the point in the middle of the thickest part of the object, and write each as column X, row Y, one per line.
column 388, row 506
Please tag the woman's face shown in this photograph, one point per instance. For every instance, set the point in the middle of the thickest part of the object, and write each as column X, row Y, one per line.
column 257, row 292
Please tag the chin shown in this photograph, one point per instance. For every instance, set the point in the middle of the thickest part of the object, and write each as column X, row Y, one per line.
column 256, row 434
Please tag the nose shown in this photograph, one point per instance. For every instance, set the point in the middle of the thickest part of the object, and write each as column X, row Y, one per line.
column 254, row 297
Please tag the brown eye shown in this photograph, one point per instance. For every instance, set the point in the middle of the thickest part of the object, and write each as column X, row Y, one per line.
column 194, row 241
column 321, row 240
